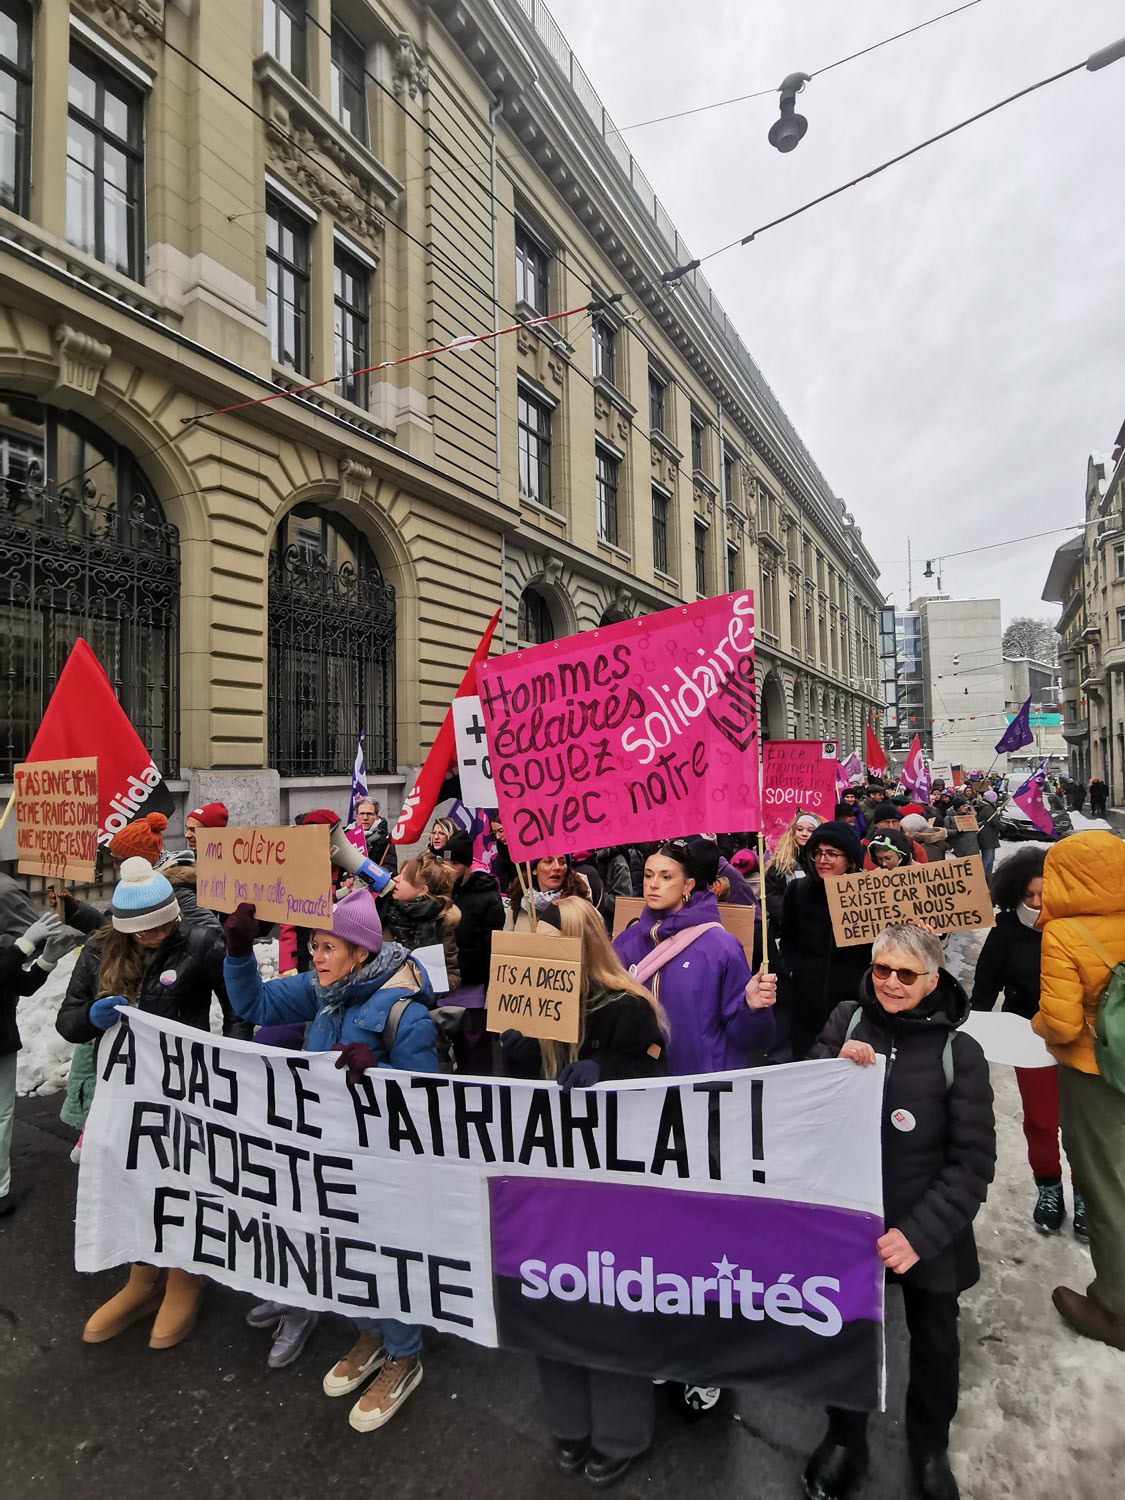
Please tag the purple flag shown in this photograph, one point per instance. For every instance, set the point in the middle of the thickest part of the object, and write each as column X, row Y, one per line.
column 1018, row 733
column 1030, row 798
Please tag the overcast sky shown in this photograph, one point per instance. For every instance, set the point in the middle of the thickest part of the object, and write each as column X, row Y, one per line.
column 949, row 338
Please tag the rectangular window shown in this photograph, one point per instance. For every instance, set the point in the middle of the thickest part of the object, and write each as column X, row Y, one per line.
column 607, row 470
column 697, row 435
column 351, row 308
column 659, row 531
column 15, row 104
column 349, row 92
column 605, row 350
column 283, row 34
column 287, row 285
column 728, row 478
column 700, row 560
column 1119, row 560
column 732, row 568
column 1121, row 624
column 533, row 265
column 534, row 418
column 657, row 389
column 104, row 165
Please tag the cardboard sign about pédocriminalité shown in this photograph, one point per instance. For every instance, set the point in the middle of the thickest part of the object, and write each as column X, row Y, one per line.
column 285, row 872
column 534, row 983
column 966, row 823
column 57, row 818
column 951, row 895
column 739, row 921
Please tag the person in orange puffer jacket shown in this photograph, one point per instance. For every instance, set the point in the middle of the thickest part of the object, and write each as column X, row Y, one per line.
column 1083, row 925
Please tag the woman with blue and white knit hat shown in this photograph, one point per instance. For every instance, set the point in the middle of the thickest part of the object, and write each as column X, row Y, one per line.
column 144, row 956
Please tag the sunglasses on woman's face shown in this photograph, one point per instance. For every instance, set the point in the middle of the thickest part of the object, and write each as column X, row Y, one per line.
column 904, row 976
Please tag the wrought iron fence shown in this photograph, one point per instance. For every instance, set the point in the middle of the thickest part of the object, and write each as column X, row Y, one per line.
column 331, row 666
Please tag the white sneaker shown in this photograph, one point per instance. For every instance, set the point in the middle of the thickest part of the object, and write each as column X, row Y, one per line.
column 365, row 1356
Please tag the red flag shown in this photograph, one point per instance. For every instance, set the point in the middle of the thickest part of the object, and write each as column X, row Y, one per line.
column 84, row 717
column 915, row 776
column 423, row 795
column 876, row 760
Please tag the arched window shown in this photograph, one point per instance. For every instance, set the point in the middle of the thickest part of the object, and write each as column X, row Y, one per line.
column 84, row 551
column 332, row 631
column 535, row 623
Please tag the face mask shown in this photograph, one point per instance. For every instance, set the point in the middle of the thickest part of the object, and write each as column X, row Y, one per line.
column 1028, row 915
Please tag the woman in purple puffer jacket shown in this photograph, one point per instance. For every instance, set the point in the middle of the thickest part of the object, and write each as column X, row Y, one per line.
column 717, row 1014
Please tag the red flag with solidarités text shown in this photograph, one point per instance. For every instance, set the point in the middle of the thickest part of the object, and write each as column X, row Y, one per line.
column 84, row 718
column 423, row 795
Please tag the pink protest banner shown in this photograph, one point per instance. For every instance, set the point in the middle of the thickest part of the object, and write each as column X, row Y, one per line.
column 797, row 776
column 647, row 729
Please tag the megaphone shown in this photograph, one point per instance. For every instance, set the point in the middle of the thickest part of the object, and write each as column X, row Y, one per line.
column 348, row 857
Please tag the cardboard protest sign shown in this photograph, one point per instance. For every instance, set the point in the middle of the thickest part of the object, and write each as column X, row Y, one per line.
column 739, row 921
column 285, row 872
column 951, row 895
column 604, row 737
column 966, row 822
column 797, row 776
column 474, row 765
column 534, row 982
column 658, row 1227
column 57, row 818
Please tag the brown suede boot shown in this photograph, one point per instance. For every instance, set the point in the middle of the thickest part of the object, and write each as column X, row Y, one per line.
column 137, row 1298
column 177, row 1314
column 1088, row 1317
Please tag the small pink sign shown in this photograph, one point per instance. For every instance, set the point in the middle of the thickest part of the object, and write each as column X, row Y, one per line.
column 643, row 730
column 797, row 776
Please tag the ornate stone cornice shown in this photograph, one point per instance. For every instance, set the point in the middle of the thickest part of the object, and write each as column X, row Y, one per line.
column 137, row 23
column 320, row 160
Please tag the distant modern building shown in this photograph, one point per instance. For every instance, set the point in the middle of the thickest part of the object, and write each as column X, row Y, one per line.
column 1041, row 682
column 900, row 648
column 1087, row 577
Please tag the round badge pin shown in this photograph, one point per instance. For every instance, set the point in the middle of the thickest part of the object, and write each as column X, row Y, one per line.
column 168, row 977
column 902, row 1119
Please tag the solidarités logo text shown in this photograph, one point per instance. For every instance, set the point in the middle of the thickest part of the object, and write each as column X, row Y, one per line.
column 602, row 1283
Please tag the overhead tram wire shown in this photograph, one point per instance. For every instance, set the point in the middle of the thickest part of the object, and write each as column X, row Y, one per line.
column 762, row 93
column 674, row 275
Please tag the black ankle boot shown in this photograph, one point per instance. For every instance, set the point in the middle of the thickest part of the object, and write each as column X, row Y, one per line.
column 935, row 1477
column 835, row 1469
column 570, row 1453
column 601, row 1472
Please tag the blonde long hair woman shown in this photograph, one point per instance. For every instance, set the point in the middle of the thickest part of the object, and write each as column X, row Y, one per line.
column 602, row 1420
column 622, row 1030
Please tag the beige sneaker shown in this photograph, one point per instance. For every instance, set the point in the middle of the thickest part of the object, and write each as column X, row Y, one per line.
column 385, row 1395
column 361, row 1361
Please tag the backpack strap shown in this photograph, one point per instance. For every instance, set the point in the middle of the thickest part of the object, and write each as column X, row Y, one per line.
column 1092, row 942
column 946, row 1051
column 394, row 1016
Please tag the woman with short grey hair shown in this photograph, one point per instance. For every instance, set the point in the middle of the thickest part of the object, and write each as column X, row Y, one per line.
column 939, row 1155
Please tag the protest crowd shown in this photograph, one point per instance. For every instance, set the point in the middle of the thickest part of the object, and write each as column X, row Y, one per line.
column 699, row 954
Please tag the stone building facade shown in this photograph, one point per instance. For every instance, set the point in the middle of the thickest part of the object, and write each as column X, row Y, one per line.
column 201, row 204
column 1087, row 577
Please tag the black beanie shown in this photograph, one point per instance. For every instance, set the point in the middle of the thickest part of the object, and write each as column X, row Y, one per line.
column 840, row 836
column 459, row 849
column 705, row 853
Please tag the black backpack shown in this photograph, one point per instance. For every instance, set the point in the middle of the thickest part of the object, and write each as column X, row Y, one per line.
column 449, row 1022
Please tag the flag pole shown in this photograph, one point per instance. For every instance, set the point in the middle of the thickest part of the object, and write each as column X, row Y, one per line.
column 527, row 900
column 761, row 856
column 8, row 808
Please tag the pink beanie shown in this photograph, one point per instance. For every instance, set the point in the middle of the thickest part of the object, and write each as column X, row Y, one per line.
column 356, row 920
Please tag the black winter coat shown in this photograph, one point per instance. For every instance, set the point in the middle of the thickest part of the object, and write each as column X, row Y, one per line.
column 482, row 914
column 1009, row 961
column 183, row 974
column 818, row 975
column 15, row 982
column 621, row 1032
column 936, row 1171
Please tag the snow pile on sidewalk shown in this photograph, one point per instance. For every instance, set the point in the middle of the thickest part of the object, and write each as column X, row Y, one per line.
column 42, row 1065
